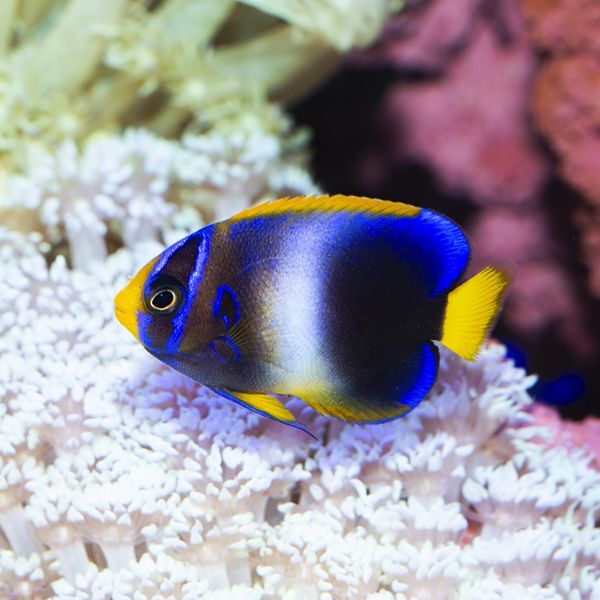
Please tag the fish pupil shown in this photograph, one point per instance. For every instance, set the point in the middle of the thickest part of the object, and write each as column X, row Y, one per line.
column 163, row 296
column 163, row 299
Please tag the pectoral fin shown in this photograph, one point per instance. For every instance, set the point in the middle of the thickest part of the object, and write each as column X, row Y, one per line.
column 264, row 405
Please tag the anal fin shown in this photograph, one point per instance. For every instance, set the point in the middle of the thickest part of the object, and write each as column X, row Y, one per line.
column 264, row 405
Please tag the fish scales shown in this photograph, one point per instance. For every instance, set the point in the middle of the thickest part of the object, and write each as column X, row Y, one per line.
column 336, row 300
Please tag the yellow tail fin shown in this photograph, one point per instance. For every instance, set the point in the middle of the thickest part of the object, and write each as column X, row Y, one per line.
column 471, row 310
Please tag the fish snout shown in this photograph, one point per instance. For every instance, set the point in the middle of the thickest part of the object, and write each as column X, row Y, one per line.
column 129, row 301
column 126, row 311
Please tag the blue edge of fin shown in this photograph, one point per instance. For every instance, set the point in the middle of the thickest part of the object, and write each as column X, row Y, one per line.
column 440, row 246
column 229, row 396
column 427, row 363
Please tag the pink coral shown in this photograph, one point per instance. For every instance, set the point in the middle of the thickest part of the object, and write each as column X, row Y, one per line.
column 470, row 122
column 467, row 118
column 566, row 104
column 469, row 126
column 442, row 116
column 567, row 434
column 568, row 25
column 426, row 35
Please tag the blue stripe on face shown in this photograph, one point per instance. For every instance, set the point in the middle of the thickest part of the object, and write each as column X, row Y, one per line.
column 193, row 283
column 166, row 255
column 144, row 322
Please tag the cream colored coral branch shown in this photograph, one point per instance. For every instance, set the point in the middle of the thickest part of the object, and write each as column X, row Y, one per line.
column 8, row 10
column 325, row 19
column 191, row 21
column 31, row 12
column 66, row 57
column 275, row 58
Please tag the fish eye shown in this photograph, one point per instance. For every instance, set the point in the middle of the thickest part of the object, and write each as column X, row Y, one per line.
column 164, row 299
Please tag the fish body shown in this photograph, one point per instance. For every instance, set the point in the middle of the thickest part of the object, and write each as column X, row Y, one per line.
column 336, row 300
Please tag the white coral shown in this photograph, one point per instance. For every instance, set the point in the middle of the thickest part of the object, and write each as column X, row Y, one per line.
column 163, row 65
column 26, row 576
column 143, row 483
column 137, row 187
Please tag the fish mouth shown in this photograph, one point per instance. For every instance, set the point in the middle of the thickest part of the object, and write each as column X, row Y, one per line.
column 129, row 303
column 120, row 314
column 127, row 319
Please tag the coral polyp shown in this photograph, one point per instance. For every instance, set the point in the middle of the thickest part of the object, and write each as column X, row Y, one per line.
column 139, row 481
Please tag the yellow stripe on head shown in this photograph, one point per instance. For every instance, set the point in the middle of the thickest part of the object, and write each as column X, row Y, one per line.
column 329, row 204
column 129, row 301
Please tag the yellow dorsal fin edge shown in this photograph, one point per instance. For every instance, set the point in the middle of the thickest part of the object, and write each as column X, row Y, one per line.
column 329, row 204
column 471, row 311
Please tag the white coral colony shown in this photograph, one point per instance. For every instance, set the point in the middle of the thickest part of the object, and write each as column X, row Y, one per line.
column 121, row 479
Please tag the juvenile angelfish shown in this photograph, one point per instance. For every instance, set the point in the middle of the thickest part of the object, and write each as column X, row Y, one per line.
column 336, row 300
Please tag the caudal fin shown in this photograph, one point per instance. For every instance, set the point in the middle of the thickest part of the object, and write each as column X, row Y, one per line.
column 471, row 310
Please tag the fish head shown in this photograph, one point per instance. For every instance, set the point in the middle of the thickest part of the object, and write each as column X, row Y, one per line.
column 157, row 303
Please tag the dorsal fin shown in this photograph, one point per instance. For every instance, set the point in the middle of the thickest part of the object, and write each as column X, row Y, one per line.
column 421, row 235
column 328, row 204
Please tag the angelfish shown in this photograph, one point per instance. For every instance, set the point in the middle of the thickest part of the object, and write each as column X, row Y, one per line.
column 335, row 300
